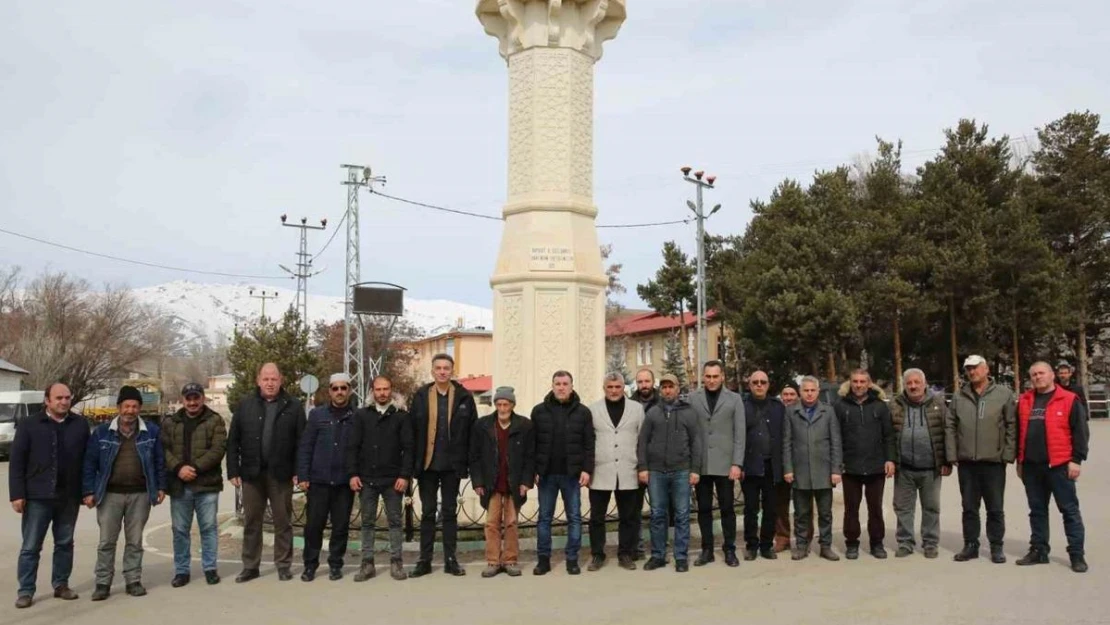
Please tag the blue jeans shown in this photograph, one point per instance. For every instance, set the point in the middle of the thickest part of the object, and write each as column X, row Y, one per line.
column 551, row 486
column 38, row 516
column 669, row 490
column 182, row 508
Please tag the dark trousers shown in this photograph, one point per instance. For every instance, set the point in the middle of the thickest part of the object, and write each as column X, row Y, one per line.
column 759, row 494
column 803, row 515
column 725, row 500
column 326, row 502
column 783, row 497
column 446, row 484
column 640, row 514
column 983, row 482
column 256, row 494
column 628, row 515
column 39, row 515
column 856, row 489
column 1040, row 483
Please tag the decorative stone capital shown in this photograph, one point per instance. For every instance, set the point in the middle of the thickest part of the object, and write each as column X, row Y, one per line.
column 581, row 25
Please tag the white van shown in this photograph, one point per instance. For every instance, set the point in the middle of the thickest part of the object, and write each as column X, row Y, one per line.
column 14, row 407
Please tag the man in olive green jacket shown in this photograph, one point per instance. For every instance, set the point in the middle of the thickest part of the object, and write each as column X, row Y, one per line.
column 981, row 438
column 194, row 440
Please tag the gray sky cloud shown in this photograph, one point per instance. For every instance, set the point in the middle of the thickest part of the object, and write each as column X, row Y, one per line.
column 178, row 132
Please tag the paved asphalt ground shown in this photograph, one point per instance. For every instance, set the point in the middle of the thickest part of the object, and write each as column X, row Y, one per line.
column 910, row 591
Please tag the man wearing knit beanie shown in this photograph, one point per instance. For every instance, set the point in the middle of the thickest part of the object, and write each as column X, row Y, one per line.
column 502, row 450
column 125, row 474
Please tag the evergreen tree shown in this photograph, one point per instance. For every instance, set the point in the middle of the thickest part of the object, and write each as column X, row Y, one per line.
column 284, row 343
column 673, row 362
column 615, row 361
column 673, row 292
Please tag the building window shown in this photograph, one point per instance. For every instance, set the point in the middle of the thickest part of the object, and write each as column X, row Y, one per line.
column 643, row 353
column 450, row 347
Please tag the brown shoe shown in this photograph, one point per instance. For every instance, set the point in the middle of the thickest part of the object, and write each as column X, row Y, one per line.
column 65, row 593
column 366, row 571
column 24, row 601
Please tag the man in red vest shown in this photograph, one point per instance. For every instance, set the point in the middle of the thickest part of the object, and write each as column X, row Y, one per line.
column 1052, row 442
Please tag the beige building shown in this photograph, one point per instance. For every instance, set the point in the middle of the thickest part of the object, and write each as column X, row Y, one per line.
column 642, row 337
column 472, row 350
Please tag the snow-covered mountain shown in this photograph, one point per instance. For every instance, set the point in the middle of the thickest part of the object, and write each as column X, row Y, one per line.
column 209, row 310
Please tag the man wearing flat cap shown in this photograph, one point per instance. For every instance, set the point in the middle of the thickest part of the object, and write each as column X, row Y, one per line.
column 322, row 470
column 194, row 440
column 125, row 474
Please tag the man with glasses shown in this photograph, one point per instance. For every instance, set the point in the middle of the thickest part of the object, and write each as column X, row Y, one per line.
column 762, row 466
column 980, row 439
column 322, row 469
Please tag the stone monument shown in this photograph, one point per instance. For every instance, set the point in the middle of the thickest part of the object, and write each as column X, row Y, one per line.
column 548, row 285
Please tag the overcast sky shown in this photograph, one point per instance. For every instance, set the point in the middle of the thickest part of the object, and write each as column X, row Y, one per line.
column 177, row 132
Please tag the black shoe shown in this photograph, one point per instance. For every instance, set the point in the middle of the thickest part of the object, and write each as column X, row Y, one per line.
column 878, row 552
column 101, row 592
column 212, row 577
column 705, row 557
column 596, row 562
column 680, row 566
column 179, row 581
column 24, row 601
column 543, row 566
column 627, row 563
column 284, row 574
column 768, row 553
column 654, row 563
column 1035, row 556
column 135, row 589
column 749, row 555
column 423, row 567
column 969, row 552
column 640, row 555
column 1078, row 564
column 335, row 573
column 572, row 567
column 997, row 556
column 451, row 567
column 731, row 560
column 246, row 575
column 851, row 552
column 308, row 575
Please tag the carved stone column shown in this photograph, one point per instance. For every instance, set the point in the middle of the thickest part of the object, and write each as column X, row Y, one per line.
column 548, row 285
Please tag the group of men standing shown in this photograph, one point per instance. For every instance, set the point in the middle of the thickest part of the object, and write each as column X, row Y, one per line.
column 794, row 448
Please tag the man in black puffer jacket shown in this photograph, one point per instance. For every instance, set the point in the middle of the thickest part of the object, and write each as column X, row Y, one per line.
column 867, row 437
column 564, row 462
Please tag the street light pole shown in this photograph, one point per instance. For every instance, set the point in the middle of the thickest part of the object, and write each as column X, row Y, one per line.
column 699, row 211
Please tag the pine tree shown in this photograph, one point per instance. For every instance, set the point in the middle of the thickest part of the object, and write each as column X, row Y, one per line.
column 284, row 343
column 672, row 293
column 615, row 362
column 673, row 362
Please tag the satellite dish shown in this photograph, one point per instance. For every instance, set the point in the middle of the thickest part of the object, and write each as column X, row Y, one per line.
column 309, row 384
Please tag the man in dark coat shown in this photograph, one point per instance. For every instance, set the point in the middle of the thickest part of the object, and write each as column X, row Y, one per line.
column 262, row 443
column 647, row 396
column 564, row 463
column 868, row 439
column 502, row 470
column 379, row 461
column 194, row 441
column 762, row 466
column 1065, row 378
column 44, row 484
column 442, row 415
column 322, row 470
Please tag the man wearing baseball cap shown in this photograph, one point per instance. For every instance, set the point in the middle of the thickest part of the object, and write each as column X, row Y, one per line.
column 194, row 439
column 981, row 439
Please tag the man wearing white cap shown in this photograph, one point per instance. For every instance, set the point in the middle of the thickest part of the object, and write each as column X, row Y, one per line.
column 981, row 439
column 322, row 469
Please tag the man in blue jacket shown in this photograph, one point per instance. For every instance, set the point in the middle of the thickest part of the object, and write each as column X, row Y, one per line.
column 321, row 467
column 44, row 483
column 125, row 474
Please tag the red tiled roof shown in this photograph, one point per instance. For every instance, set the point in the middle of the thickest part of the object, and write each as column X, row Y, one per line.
column 478, row 384
column 651, row 322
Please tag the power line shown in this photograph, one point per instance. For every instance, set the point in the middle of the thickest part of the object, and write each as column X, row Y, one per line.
column 456, row 211
column 139, row 262
column 332, row 238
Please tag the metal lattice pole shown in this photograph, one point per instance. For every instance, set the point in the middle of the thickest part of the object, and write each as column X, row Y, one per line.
column 699, row 211
column 354, row 361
